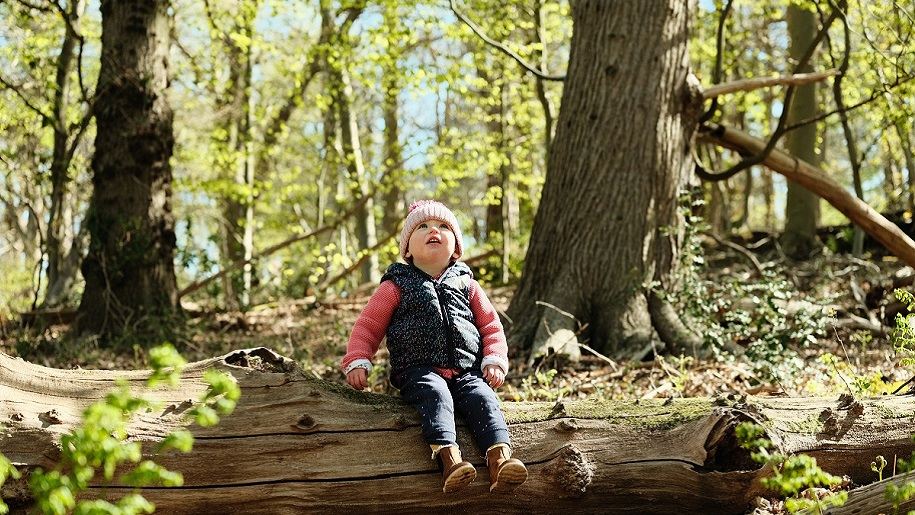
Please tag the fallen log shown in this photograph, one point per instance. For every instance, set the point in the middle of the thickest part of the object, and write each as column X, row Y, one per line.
column 299, row 444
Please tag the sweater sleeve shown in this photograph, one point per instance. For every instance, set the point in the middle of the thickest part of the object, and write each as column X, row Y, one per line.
column 370, row 327
column 495, row 347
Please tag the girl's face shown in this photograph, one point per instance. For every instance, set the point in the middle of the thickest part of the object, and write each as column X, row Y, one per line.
column 432, row 244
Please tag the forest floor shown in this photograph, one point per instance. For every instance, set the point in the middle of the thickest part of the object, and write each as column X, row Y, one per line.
column 824, row 326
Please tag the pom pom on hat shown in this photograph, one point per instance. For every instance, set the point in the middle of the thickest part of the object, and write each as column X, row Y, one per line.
column 425, row 210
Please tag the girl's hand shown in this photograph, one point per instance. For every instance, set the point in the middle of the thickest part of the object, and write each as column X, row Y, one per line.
column 494, row 376
column 358, row 378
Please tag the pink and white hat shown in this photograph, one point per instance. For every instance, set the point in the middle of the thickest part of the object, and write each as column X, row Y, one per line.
column 423, row 211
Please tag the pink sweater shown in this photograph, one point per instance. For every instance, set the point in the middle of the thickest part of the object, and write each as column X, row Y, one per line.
column 370, row 328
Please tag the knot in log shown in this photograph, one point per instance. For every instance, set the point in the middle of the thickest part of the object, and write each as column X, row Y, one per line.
column 572, row 472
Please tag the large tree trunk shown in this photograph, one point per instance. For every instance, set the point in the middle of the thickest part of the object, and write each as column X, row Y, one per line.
column 607, row 224
column 296, row 444
column 799, row 238
column 129, row 269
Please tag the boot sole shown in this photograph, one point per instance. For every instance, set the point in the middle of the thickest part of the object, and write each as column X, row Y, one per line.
column 459, row 478
column 511, row 476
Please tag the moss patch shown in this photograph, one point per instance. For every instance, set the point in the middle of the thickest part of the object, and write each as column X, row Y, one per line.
column 380, row 400
column 650, row 414
column 810, row 426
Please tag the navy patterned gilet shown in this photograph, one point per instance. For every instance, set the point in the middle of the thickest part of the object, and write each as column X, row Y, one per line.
column 433, row 325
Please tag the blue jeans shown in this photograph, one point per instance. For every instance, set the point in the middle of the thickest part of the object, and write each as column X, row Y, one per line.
column 438, row 399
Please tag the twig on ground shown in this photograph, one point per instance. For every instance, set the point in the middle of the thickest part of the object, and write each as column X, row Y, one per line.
column 612, row 363
column 738, row 248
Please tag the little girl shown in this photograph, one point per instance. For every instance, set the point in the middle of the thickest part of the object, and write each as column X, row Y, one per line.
column 445, row 342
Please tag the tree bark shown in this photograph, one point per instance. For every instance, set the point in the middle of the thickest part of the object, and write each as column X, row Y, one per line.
column 802, row 207
column 129, row 269
column 297, row 444
column 607, row 223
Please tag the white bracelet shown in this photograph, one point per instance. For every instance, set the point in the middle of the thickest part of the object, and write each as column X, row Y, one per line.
column 494, row 359
column 358, row 363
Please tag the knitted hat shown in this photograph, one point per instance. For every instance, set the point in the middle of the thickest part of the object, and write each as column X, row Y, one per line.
column 425, row 210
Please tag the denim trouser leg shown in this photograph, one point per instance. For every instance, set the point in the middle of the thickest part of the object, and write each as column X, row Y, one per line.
column 478, row 405
column 436, row 398
column 428, row 392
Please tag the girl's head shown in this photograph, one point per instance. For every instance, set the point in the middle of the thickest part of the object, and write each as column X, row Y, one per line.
column 430, row 232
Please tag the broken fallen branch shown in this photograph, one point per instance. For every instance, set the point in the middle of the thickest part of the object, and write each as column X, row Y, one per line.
column 824, row 186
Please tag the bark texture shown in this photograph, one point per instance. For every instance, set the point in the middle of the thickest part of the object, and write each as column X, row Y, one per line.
column 296, row 444
column 129, row 269
column 607, row 224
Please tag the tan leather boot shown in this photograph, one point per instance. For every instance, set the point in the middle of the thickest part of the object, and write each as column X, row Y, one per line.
column 505, row 473
column 456, row 474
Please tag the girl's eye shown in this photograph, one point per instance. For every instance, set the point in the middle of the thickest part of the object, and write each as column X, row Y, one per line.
column 444, row 226
column 424, row 226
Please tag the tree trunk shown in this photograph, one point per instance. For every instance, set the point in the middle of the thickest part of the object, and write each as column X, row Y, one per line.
column 129, row 269
column 497, row 215
column 296, row 444
column 802, row 207
column 392, row 181
column 851, row 144
column 61, row 242
column 238, row 206
column 607, row 224
column 350, row 151
column 545, row 104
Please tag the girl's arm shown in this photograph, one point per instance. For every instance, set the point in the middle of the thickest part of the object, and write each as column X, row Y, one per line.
column 495, row 348
column 370, row 327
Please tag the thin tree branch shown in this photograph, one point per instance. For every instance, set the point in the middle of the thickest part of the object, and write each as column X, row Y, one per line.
column 853, row 157
column 507, row 51
column 25, row 100
column 765, row 82
column 366, row 253
column 874, row 96
column 719, row 61
column 30, row 5
column 731, row 245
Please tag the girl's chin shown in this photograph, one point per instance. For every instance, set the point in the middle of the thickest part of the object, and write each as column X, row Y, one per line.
column 437, row 259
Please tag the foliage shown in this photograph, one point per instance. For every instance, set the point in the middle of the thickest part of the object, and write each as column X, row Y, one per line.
column 903, row 338
column 100, row 443
column 903, row 334
column 793, row 476
column 751, row 314
column 539, row 386
column 902, row 493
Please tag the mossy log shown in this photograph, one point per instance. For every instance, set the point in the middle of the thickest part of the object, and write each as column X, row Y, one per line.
column 298, row 444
